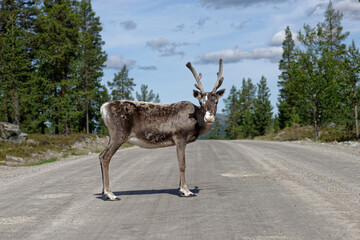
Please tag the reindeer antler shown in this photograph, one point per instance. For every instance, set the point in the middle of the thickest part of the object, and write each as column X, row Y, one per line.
column 197, row 78
column 220, row 78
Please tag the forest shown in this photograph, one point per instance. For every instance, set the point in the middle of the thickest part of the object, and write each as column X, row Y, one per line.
column 318, row 86
column 52, row 61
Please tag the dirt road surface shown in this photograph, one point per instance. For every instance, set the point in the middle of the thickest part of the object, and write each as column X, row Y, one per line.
column 245, row 190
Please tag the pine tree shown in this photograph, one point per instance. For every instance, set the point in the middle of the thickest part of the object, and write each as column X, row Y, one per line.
column 352, row 66
column 312, row 84
column 146, row 96
column 51, row 65
column 122, row 85
column 318, row 82
column 91, row 61
column 262, row 108
column 13, row 66
column 331, row 32
column 287, row 81
column 58, row 41
column 331, row 38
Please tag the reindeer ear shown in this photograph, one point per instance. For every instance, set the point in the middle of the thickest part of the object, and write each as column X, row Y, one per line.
column 220, row 93
column 197, row 94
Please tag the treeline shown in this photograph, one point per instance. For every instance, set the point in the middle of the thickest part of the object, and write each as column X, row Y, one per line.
column 318, row 85
column 248, row 110
column 51, row 65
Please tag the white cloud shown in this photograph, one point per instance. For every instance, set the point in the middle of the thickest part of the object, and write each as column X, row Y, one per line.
column 118, row 61
column 279, row 37
column 349, row 8
column 237, row 55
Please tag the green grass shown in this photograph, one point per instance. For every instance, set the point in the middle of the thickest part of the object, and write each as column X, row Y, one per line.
column 53, row 159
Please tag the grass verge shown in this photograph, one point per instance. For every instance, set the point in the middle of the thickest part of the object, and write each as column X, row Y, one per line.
column 53, row 159
column 294, row 133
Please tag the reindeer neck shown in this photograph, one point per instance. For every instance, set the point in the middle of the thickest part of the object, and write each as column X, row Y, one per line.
column 203, row 127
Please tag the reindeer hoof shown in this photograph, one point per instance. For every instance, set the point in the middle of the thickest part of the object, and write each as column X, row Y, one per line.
column 187, row 193
column 110, row 196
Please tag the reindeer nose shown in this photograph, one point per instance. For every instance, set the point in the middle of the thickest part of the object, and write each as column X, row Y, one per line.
column 209, row 117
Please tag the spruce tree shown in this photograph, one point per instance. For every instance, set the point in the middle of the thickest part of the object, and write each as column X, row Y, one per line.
column 122, row 86
column 231, row 111
column 262, row 108
column 16, row 19
column 246, row 109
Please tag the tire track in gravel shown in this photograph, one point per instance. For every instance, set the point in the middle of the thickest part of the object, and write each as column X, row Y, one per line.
column 337, row 200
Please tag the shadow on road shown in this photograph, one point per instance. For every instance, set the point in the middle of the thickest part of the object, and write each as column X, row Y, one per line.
column 173, row 191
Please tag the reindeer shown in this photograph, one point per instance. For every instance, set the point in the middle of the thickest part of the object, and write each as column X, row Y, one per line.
column 153, row 125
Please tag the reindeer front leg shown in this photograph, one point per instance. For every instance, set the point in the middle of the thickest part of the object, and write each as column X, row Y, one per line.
column 105, row 158
column 180, row 150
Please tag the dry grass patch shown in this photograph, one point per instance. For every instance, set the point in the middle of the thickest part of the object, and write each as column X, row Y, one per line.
column 39, row 148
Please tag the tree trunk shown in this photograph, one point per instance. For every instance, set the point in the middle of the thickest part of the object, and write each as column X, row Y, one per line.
column 356, row 114
column 4, row 106
column 57, row 126
column 42, row 125
column 86, row 101
column 316, row 124
column 87, row 117
column 15, row 97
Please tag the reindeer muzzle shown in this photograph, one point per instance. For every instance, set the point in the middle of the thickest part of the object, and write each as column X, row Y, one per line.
column 209, row 118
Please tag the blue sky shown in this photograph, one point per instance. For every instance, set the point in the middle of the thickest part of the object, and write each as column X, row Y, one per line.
column 156, row 38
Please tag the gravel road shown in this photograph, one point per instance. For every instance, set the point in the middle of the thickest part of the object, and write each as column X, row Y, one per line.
column 251, row 190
